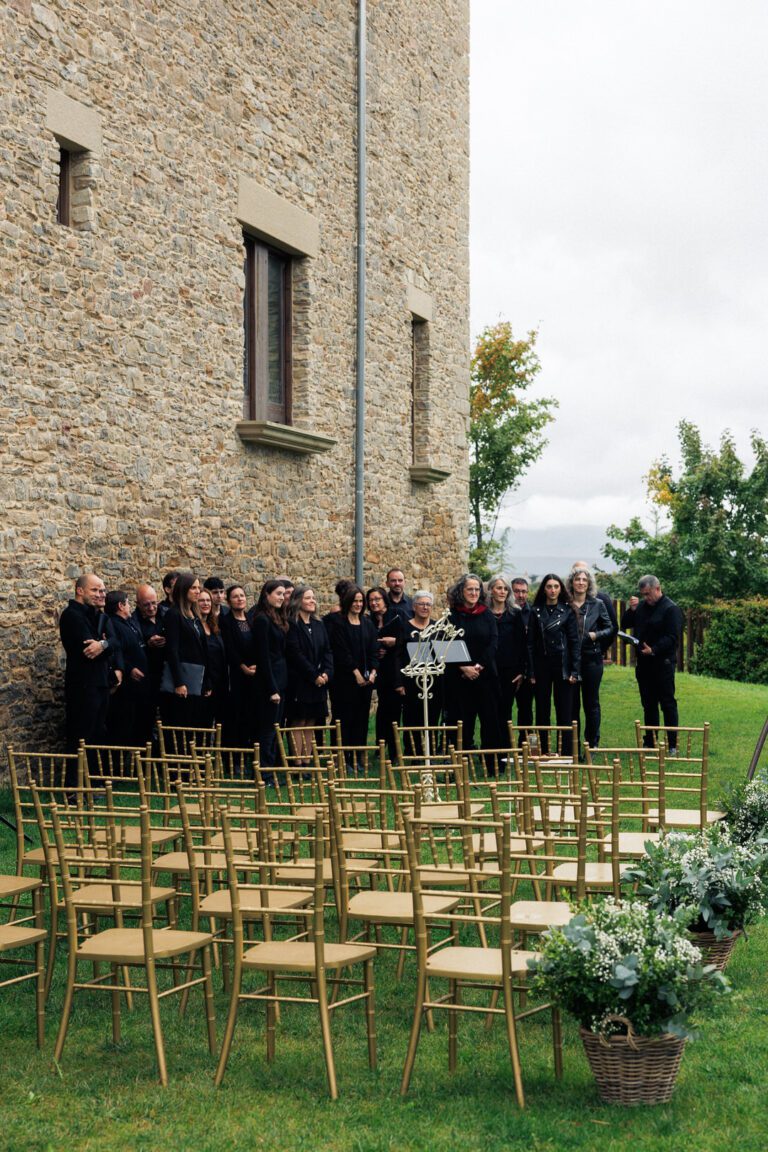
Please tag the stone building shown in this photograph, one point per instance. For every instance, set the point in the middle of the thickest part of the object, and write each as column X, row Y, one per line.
column 178, row 315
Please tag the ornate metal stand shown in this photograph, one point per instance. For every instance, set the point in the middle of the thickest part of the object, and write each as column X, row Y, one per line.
column 428, row 662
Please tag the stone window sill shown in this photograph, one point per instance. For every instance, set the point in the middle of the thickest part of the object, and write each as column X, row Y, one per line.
column 283, row 436
column 427, row 474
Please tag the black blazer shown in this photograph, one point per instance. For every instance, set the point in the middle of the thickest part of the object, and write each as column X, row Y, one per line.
column 309, row 656
column 239, row 644
column 271, row 667
column 185, row 643
column 511, row 654
column 352, row 648
column 77, row 624
column 481, row 637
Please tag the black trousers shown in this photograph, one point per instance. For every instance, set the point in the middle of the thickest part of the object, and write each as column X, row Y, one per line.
column 353, row 713
column 388, row 712
column 470, row 700
column 656, row 681
column 550, row 684
column 586, row 695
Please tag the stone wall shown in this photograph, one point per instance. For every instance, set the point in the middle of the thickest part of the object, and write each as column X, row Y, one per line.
column 121, row 343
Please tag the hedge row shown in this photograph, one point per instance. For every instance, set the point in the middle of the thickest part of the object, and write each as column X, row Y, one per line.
column 735, row 644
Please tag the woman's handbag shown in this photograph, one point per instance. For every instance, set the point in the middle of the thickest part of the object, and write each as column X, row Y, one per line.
column 192, row 675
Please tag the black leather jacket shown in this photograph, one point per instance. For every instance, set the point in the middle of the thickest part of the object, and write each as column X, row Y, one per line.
column 593, row 616
column 552, row 633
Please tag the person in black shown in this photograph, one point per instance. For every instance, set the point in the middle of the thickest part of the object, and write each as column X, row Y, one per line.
column 553, row 657
column 240, row 648
column 607, row 601
column 169, row 580
column 656, row 623
column 154, row 648
column 121, row 717
column 594, row 628
column 470, row 688
column 217, row 702
column 389, row 683
column 310, row 668
column 215, row 585
column 396, row 597
column 92, row 651
column 524, row 693
column 354, row 643
column 182, row 702
column 413, row 702
column 511, row 654
column 270, row 628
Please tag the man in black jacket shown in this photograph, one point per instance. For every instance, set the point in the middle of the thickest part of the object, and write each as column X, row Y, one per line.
column 656, row 623
column 396, row 597
column 92, row 653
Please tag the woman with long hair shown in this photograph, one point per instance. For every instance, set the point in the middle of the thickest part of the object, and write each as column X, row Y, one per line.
column 270, row 629
column 355, row 662
column 553, row 656
column 389, row 687
column 218, row 673
column 594, row 628
column 185, row 683
column 310, row 667
column 512, row 652
column 241, row 658
column 470, row 688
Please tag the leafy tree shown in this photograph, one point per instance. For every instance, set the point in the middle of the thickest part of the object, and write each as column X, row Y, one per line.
column 505, row 432
column 716, row 546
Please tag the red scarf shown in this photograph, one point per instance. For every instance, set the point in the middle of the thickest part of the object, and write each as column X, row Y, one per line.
column 475, row 611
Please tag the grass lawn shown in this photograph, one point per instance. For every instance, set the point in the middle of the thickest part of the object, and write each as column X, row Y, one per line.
column 102, row 1098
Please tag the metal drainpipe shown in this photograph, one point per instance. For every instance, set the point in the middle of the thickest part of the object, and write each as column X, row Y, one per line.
column 360, row 366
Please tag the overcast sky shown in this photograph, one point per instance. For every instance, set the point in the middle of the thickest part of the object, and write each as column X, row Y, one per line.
column 619, row 204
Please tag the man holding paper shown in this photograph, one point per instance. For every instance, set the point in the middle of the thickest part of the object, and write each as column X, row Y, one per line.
column 656, row 622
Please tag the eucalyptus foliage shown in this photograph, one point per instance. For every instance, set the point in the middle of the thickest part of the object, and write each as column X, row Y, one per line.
column 713, row 883
column 625, row 959
column 746, row 810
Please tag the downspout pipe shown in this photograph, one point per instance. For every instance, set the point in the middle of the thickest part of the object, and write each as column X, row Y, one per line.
column 361, row 253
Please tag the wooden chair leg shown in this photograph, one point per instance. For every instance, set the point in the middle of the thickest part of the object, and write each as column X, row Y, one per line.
column 157, row 1030
column 229, row 1030
column 514, row 1055
column 325, row 1030
column 413, row 1042
column 210, row 1012
column 66, row 1008
column 370, row 1014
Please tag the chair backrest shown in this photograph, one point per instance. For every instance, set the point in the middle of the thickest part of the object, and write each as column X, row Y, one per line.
column 639, row 782
column 103, row 762
column 48, row 770
column 235, row 765
column 547, row 740
column 177, row 741
column 411, row 742
column 692, row 740
column 550, row 829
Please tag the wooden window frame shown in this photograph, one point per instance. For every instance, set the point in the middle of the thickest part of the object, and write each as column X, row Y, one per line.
column 257, row 405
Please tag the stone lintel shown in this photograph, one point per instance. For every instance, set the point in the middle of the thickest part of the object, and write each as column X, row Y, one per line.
column 283, row 436
column 75, row 125
column 427, row 474
column 275, row 220
column 420, row 304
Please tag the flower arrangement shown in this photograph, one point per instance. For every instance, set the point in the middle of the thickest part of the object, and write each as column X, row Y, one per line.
column 746, row 810
column 626, row 959
column 706, row 878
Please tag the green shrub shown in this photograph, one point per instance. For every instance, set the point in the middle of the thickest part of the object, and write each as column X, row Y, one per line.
column 735, row 645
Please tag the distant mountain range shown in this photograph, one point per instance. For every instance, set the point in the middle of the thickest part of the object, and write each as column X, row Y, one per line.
column 534, row 552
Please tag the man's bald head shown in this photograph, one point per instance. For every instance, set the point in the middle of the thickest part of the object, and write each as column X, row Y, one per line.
column 146, row 601
column 90, row 590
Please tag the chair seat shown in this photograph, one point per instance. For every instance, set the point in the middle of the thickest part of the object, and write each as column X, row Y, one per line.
column 17, row 885
column 252, row 901
column 565, row 813
column 370, row 840
column 35, row 857
column 444, row 812
column 304, row 873
column 103, row 897
column 129, row 835
column 298, row 956
column 684, row 817
column 596, row 875
column 240, row 839
column 126, row 945
column 20, row 936
column 179, row 862
column 538, row 915
column 396, row 907
column 456, row 963
column 633, row 843
column 484, row 844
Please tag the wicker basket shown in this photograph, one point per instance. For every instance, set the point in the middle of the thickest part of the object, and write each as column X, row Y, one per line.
column 714, row 951
column 633, row 1069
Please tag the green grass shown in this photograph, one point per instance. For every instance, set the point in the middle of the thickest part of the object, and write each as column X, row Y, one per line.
column 102, row 1098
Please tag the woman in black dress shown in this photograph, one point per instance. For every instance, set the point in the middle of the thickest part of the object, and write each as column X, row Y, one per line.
column 553, row 656
column 354, row 642
column 270, row 628
column 512, row 652
column 310, row 668
column 470, row 688
column 186, row 655
column 218, row 673
column 389, row 683
column 241, row 658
